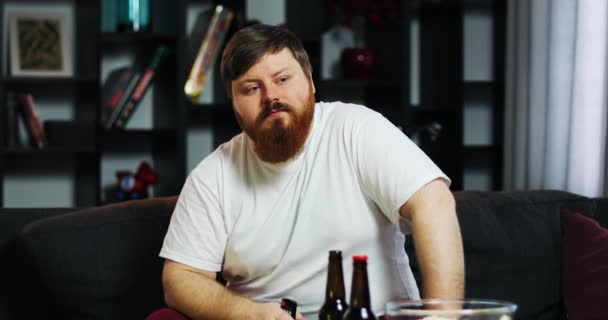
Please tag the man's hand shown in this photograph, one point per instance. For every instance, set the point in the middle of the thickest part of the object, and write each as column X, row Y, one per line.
column 271, row 311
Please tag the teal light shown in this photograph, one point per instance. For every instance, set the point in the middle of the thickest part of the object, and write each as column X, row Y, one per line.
column 135, row 15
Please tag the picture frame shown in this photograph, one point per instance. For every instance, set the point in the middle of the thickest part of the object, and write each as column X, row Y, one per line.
column 40, row 44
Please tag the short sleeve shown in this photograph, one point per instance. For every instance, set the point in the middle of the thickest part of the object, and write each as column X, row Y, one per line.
column 197, row 233
column 391, row 167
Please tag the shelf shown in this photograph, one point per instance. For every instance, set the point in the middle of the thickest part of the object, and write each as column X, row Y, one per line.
column 432, row 109
column 49, row 81
column 130, row 38
column 197, row 107
column 28, row 151
column 360, row 83
column 479, row 83
column 200, row 113
column 436, row 7
column 472, row 150
column 205, row 108
column 479, row 4
column 161, row 140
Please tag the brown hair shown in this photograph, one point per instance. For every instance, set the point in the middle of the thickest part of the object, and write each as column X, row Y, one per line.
column 250, row 44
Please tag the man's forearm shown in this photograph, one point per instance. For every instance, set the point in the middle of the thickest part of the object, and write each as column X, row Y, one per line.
column 200, row 297
column 439, row 253
column 196, row 294
column 437, row 239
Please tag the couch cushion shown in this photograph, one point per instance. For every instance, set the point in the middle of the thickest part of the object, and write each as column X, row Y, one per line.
column 512, row 246
column 585, row 267
column 166, row 314
column 100, row 263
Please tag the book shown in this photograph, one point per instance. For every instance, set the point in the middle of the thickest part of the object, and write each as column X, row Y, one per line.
column 140, row 86
column 113, row 90
column 31, row 119
column 124, row 97
column 208, row 50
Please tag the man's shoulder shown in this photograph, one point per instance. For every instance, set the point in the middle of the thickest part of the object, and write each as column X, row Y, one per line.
column 339, row 107
column 226, row 152
column 343, row 111
column 234, row 145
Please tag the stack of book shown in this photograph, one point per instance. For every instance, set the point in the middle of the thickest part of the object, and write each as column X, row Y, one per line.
column 125, row 87
column 22, row 106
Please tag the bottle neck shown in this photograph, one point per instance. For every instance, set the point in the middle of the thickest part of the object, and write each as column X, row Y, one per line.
column 335, row 279
column 359, row 297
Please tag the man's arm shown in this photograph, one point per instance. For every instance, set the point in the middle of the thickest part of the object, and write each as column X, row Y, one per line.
column 196, row 294
column 437, row 239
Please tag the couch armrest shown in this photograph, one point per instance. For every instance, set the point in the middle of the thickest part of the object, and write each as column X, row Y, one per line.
column 100, row 263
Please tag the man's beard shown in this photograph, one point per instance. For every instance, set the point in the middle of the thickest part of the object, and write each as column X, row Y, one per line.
column 277, row 142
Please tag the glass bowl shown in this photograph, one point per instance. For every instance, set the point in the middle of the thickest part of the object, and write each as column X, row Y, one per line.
column 437, row 309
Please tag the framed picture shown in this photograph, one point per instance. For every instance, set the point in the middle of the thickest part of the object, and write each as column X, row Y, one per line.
column 40, row 44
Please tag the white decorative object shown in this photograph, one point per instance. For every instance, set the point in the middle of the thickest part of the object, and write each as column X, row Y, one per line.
column 333, row 42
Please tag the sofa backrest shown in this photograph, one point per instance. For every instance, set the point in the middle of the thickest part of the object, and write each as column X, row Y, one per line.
column 512, row 243
column 100, row 263
column 601, row 211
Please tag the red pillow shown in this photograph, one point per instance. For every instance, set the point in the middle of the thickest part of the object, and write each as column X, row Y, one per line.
column 166, row 314
column 584, row 267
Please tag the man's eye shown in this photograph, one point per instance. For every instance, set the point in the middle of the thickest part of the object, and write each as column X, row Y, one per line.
column 250, row 90
column 283, row 79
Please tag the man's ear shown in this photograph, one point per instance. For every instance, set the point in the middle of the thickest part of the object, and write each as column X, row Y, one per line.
column 312, row 83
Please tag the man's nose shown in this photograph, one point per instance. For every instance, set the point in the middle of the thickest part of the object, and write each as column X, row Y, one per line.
column 271, row 94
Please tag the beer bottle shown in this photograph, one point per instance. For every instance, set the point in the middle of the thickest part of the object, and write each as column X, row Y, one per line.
column 290, row 306
column 335, row 296
column 360, row 305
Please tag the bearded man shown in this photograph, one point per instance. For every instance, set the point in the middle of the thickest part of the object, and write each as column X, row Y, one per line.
column 303, row 178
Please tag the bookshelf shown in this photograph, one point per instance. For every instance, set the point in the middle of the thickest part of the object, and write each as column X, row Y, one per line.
column 83, row 175
column 424, row 77
column 446, row 67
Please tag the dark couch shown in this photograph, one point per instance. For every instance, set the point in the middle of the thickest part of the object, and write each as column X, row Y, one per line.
column 102, row 263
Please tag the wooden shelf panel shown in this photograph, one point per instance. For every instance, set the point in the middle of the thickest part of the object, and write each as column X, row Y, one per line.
column 472, row 148
column 134, row 38
column 433, row 109
column 28, row 151
column 156, row 140
column 361, row 83
column 479, row 4
column 479, row 83
column 205, row 113
column 49, row 81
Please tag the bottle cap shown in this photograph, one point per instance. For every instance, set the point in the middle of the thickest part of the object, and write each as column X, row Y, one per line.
column 360, row 258
column 335, row 253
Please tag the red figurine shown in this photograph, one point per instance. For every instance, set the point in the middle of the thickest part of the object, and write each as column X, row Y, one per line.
column 135, row 186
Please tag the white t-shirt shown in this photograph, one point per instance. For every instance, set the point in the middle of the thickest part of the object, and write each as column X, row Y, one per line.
column 269, row 227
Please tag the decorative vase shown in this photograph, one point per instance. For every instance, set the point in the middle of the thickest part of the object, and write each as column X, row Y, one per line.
column 333, row 42
column 359, row 63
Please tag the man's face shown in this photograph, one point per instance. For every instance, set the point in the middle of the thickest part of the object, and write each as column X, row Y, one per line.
column 274, row 104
